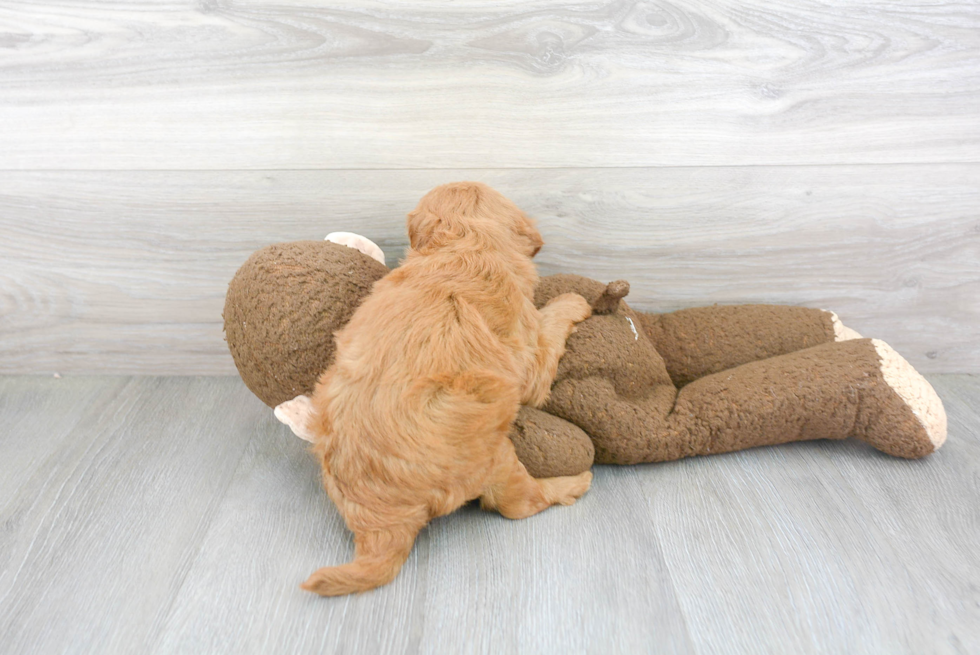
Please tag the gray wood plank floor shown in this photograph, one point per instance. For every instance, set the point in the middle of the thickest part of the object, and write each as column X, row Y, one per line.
column 162, row 515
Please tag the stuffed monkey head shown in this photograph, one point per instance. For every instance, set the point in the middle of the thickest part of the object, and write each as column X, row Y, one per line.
column 284, row 305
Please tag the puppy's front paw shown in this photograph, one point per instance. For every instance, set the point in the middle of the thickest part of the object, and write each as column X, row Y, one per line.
column 571, row 306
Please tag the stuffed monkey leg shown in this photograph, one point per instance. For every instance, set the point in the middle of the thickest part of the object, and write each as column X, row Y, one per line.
column 705, row 340
column 858, row 388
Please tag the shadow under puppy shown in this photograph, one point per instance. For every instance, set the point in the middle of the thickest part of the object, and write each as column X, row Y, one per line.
column 412, row 419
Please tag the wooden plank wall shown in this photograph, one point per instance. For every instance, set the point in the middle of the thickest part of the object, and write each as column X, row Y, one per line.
column 816, row 153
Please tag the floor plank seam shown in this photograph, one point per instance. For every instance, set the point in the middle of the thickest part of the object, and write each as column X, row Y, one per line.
column 166, row 614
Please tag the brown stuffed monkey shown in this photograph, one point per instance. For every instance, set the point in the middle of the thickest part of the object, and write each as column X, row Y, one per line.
column 632, row 387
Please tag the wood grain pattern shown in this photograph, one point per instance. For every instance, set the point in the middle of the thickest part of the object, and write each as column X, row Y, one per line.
column 125, row 272
column 467, row 587
column 98, row 534
column 39, row 417
column 222, row 84
column 797, row 152
column 826, row 544
column 173, row 515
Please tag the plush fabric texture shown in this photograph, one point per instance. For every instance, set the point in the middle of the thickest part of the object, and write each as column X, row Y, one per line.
column 548, row 446
column 705, row 340
column 631, row 387
column 614, row 383
column 831, row 391
column 282, row 308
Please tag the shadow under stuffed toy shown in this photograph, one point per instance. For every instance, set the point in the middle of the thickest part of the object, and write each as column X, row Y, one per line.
column 631, row 387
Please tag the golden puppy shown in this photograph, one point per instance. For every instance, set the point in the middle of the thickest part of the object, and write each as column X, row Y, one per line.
column 412, row 419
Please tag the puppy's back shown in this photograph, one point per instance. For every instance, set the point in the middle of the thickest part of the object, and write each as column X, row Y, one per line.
column 419, row 376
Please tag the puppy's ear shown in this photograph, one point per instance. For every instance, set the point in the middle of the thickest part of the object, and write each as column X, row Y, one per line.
column 527, row 229
column 444, row 214
column 427, row 231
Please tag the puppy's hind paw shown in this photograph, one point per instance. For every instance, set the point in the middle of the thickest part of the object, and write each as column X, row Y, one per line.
column 568, row 489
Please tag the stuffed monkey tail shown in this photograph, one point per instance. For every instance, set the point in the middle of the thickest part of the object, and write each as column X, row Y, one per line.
column 608, row 302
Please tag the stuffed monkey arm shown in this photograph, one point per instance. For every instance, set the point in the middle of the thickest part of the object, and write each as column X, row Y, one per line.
column 602, row 298
column 705, row 340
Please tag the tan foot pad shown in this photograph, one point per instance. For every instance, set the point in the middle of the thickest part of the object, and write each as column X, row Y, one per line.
column 917, row 393
column 841, row 331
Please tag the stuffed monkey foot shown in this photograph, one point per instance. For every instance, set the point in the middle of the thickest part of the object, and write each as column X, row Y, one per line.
column 919, row 398
column 857, row 388
column 841, row 331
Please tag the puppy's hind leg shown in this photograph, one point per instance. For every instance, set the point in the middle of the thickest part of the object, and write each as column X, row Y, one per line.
column 379, row 555
column 516, row 495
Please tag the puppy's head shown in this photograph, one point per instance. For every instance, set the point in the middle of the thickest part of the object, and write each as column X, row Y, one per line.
column 474, row 214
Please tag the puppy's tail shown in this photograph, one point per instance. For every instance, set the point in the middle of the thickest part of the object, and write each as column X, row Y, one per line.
column 459, row 407
column 378, row 559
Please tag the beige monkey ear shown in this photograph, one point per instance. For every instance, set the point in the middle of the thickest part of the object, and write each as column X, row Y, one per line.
column 357, row 242
column 297, row 414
